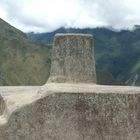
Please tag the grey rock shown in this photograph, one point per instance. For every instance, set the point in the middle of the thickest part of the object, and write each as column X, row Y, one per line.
column 2, row 105
column 73, row 112
column 72, row 59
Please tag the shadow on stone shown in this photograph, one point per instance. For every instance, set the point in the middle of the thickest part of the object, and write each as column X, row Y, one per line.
column 2, row 105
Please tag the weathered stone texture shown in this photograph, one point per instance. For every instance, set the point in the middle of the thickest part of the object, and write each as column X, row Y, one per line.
column 2, row 105
column 62, row 114
column 72, row 60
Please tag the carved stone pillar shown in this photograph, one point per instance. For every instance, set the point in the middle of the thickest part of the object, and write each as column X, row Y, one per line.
column 72, row 59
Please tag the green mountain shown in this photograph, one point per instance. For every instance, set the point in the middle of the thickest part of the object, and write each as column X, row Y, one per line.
column 22, row 62
column 117, row 53
column 25, row 58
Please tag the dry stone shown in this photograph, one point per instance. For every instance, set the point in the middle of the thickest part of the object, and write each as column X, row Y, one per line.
column 2, row 105
column 72, row 59
column 75, row 112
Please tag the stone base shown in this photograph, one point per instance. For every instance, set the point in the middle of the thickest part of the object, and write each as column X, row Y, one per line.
column 72, row 112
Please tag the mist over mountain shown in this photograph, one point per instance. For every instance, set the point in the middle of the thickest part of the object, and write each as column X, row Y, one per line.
column 49, row 15
column 116, row 52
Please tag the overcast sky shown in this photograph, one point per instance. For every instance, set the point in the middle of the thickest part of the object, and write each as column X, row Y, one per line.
column 48, row 15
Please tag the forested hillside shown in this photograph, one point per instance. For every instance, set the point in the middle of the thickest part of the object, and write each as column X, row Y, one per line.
column 22, row 62
column 25, row 61
column 117, row 53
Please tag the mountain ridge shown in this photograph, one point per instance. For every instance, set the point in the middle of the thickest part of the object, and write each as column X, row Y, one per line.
column 116, row 52
column 25, row 58
column 22, row 61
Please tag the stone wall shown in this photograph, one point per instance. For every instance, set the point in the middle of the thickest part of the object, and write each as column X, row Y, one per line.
column 74, row 112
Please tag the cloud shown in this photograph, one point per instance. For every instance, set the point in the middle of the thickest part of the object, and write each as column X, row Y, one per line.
column 48, row 15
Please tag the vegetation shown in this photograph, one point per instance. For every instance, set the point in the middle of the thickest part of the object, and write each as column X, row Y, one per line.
column 22, row 62
column 116, row 52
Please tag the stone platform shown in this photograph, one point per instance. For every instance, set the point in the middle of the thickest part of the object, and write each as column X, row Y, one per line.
column 71, row 112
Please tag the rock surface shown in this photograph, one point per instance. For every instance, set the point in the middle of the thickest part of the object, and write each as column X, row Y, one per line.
column 73, row 112
column 72, row 60
column 2, row 105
